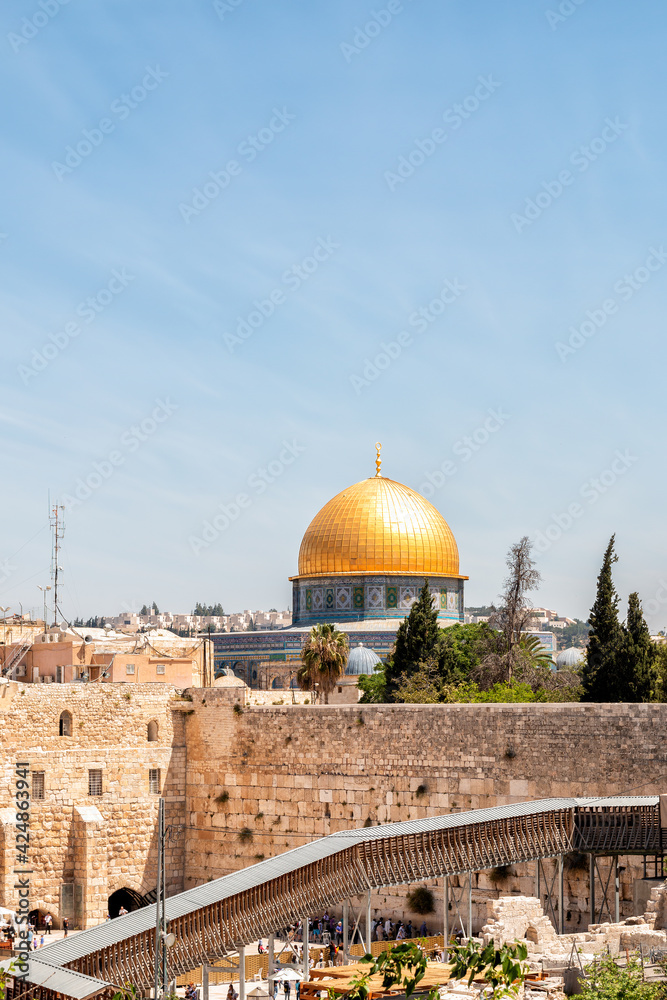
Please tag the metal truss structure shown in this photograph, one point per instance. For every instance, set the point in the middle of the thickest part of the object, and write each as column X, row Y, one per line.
column 221, row 917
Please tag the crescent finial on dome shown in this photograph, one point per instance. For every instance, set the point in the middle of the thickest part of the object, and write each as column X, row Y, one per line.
column 378, row 460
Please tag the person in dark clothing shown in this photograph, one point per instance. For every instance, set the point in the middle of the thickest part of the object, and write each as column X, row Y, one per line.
column 65, row 926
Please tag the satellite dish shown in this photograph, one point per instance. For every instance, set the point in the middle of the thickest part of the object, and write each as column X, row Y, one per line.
column 63, row 627
column 107, row 627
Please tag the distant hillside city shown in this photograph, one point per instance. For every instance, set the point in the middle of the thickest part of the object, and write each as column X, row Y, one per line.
column 204, row 618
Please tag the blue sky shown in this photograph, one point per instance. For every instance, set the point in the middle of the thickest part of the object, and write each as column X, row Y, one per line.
column 369, row 159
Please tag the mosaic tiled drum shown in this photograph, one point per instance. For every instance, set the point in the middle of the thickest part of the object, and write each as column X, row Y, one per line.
column 367, row 553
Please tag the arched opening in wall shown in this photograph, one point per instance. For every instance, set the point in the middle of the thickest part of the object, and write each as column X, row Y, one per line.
column 127, row 899
column 65, row 725
column 531, row 935
column 277, row 683
column 152, row 731
column 36, row 918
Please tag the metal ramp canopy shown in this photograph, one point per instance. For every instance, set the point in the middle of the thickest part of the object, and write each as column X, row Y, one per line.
column 217, row 918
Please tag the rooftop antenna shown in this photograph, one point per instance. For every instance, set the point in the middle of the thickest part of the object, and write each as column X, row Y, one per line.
column 378, row 460
column 57, row 522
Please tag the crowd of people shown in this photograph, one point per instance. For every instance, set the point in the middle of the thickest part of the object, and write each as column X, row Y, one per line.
column 327, row 929
column 38, row 930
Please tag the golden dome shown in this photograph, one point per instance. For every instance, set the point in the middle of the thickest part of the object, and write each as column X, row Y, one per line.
column 378, row 526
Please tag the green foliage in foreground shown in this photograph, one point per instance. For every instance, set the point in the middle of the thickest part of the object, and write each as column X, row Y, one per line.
column 404, row 964
column 606, row 981
column 503, row 970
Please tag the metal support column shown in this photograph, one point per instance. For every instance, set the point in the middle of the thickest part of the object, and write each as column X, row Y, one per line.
column 591, row 885
column 445, row 922
column 241, row 973
column 346, row 932
column 617, row 892
column 272, row 962
column 561, row 916
column 537, row 880
column 469, row 905
column 369, row 922
column 305, row 922
column 204, row 982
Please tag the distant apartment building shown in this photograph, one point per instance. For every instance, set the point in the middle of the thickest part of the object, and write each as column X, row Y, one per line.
column 101, row 655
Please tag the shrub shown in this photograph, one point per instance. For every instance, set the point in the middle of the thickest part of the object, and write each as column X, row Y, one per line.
column 237, row 708
column 222, row 797
column 420, row 900
column 245, row 834
column 421, row 790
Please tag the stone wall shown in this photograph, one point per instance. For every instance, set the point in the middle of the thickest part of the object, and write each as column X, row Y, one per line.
column 96, row 843
column 264, row 780
column 244, row 782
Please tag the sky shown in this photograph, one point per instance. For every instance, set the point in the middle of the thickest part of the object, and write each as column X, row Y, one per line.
column 243, row 241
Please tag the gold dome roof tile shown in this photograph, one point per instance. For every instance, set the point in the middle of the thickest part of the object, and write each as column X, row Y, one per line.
column 378, row 526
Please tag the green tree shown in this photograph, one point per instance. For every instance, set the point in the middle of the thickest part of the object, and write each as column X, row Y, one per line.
column 323, row 660
column 373, row 687
column 416, row 641
column 638, row 660
column 461, row 648
column 600, row 674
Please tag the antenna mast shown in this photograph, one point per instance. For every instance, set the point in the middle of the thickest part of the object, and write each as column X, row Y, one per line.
column 57, row 522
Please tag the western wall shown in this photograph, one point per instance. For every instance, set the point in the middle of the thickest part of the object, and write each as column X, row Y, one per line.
column 244, row 782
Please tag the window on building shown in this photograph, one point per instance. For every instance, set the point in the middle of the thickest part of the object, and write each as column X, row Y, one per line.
column 129, row 668
column 65, row 727
column 38, row 784
column 154, row 781
column 152, row 731
column 161, row 668
column 95, row 782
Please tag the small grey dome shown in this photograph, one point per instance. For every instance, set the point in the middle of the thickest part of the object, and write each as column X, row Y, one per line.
column 571, row 657
column 361, row 660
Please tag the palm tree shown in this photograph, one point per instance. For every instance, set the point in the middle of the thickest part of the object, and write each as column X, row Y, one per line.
column 323, row 660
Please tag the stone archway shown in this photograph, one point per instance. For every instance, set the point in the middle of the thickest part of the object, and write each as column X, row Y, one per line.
column 128, row 899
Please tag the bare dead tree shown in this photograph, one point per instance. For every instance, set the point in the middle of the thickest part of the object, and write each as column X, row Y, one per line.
column 515, row 611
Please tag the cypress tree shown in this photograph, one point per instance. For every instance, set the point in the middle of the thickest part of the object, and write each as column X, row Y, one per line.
column 638, row 657
column 600, row 675
column 416, row 641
